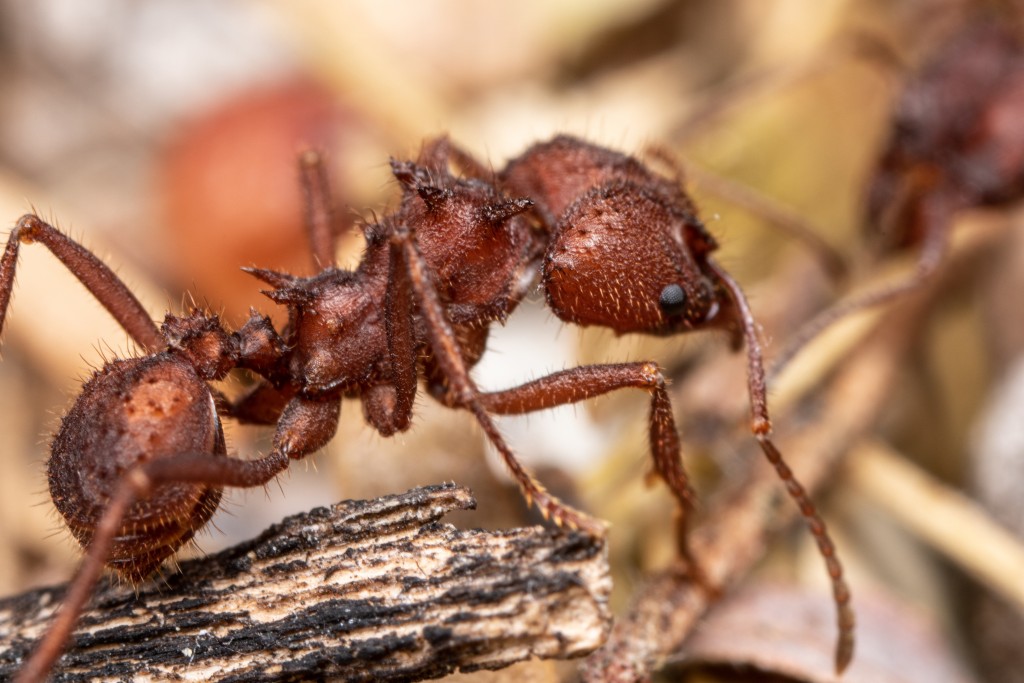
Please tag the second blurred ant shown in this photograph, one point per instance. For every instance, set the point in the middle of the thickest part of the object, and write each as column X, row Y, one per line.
column 139, row 461
column 955, row 142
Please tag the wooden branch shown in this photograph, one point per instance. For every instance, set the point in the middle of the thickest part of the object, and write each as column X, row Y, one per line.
column 365, row 590
column 738, row 526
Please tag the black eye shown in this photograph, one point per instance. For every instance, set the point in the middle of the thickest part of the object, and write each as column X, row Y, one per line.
column 672, row 300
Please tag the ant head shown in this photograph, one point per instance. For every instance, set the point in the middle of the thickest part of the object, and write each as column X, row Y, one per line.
column 625, row 257
column 201, row 340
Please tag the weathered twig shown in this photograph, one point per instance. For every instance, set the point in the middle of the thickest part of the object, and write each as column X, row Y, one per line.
column 365, row 590
column 738, row 526
column 941, row 516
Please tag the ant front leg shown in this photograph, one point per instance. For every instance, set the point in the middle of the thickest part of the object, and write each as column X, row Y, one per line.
column 99, row 279
column 320, row 215
column 445, row 349
column 590, row 381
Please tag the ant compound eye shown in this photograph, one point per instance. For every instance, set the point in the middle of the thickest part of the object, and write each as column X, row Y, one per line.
column 672, row 300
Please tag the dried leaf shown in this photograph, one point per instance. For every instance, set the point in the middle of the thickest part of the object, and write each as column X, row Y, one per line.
column 785, row 630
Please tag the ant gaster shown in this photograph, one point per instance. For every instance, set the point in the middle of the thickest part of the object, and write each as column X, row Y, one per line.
column 139, row 462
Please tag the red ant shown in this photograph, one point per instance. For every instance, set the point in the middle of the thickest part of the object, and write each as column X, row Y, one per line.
column 955, row 142
column 139, row 462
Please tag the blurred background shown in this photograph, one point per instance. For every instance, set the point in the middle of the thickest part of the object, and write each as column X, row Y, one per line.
column 163, row 134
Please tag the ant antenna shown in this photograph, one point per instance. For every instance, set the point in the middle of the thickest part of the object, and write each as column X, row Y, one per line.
column 761, row 427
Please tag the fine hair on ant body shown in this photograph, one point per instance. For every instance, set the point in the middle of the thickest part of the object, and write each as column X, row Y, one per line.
column 139, row 461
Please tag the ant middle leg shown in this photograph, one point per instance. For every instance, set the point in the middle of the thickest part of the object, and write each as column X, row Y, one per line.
column 97, row 277
column 589, row 381
column 444, row 347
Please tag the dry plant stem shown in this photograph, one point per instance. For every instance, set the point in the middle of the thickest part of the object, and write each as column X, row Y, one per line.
column 932, row 253
column 777, row 214
column 366, row 590
column 944, row 518
column 738, row 525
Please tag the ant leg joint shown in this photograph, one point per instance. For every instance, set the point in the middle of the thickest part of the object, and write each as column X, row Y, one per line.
column 139, row 481
column 400, row 234
column 650, row 377
column 26, row 228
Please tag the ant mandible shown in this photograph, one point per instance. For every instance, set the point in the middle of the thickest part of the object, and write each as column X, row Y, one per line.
column 139, row 461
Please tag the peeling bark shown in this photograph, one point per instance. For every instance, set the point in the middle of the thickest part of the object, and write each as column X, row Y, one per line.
column 365, row 590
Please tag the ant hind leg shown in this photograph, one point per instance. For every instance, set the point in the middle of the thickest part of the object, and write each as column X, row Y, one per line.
column 138, row 484
column 305, row 426
column 97, row 277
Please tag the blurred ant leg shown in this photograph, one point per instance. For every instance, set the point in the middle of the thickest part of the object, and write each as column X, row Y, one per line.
column 933, row 253
column 441, row 151
column 776, row 214
column 749, row 199
column 470, row 165
column 99, row 279
column 448, row 356
column 388, row 406
column 742, row 93
column 761, row 427
column 320, row 218
column 590, row 381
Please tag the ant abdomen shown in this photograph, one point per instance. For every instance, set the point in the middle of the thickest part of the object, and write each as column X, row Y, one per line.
column 135, row 411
